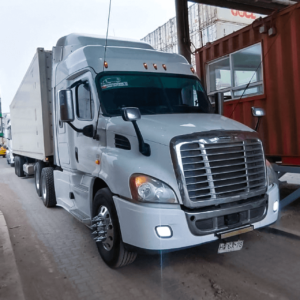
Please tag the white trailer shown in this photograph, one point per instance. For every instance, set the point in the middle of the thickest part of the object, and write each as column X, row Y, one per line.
column 126, row 140
column 31, row 110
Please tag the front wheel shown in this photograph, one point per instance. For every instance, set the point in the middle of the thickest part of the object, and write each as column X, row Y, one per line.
column 107, row 232
column 48, row 191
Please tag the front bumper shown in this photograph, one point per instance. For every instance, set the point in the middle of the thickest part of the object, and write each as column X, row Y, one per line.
column 138, row 223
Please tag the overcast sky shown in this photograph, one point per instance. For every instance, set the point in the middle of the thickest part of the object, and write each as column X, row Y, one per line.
column 28, row 24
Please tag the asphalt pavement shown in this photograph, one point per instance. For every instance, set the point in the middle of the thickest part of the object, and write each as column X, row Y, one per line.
column 56, row 258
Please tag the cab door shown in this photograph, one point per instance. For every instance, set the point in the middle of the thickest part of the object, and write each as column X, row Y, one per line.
column 86, row 149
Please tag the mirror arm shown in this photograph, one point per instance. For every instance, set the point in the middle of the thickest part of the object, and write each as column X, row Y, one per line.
column 74, row 128
column 257, row 124
column 143, row 147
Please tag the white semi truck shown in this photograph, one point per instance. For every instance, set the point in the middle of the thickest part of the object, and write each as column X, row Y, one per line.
column 125, row 139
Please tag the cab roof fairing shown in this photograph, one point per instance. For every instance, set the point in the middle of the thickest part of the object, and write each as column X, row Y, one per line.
column 121, row 59
column 74, row 41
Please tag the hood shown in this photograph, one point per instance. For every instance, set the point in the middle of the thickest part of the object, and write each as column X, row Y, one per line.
column 162, row 128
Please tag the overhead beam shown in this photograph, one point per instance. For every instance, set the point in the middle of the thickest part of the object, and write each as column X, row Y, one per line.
column 254, row 7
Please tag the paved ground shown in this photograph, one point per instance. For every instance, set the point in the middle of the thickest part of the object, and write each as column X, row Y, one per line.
column 57, row 258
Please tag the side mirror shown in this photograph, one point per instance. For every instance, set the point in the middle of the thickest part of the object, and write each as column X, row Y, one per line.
column 88, row 131
column 66, row 105
column 219, row 103
column 257, row 112
column 131, row 114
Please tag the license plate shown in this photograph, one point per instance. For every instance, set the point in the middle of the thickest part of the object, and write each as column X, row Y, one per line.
column 230, row 246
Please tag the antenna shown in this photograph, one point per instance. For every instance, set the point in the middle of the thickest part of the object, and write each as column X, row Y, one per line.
column 108, row 19
column 95, row 132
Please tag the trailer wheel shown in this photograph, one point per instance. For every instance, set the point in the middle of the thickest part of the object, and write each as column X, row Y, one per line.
column 107, row 233
column 19, row 162
column 47, row 186
column 37, row 176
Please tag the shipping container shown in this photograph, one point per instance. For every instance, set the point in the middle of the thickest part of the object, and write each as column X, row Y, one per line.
column 259, row 66
column 206, row 24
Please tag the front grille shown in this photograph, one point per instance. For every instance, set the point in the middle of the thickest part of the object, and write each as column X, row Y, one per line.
column 220, row 170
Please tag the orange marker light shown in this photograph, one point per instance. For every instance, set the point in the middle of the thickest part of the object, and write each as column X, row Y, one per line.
column 97, row 162
column 140, row 180
column 106, row 64
column 155, row 66
column 193, row 70
column 165, row 67
column 145, row 65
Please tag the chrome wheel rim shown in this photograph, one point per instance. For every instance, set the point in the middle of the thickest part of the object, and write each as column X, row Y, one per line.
column 105, row 228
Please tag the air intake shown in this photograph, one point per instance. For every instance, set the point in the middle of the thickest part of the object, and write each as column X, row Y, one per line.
column 122, row 142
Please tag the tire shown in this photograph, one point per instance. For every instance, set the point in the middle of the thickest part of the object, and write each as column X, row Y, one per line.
column 37, row 177
column 47, row 186
column 117, row 256
column 19, row 162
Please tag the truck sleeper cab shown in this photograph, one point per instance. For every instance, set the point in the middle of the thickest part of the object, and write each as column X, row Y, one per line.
column 133, row 150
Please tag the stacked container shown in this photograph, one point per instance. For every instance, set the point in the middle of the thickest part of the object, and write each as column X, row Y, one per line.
column 206, row 24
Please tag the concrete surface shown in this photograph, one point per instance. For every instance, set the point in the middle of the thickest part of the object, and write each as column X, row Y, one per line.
column 57, row 258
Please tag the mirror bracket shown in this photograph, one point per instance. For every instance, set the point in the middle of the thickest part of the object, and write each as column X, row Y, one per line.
column 86, row 131
column 257, row 112
column 143, row 147
column 132, row 114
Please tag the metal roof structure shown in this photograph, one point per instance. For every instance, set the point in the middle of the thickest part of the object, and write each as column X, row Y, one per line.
column 265, row 7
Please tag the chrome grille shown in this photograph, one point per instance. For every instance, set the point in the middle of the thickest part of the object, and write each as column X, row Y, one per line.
column 221, row 170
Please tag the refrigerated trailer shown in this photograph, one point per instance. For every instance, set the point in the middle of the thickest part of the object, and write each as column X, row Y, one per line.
column 125, row 139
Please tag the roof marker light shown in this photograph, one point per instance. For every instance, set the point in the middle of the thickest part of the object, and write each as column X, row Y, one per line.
column 145, row 65
column 193, row 70
column 165, row 67
column 106, row 64
column 155, row 66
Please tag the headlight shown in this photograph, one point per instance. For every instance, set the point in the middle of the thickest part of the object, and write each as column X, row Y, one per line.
column 147, row 189
column 272, row 176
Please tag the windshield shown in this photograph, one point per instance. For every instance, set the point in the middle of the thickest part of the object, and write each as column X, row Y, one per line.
column 153, row 94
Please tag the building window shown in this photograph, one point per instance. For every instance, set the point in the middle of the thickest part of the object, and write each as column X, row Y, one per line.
column 239, row 74
column 85, row 102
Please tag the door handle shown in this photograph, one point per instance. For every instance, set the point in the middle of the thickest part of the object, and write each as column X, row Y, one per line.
column 76, row 154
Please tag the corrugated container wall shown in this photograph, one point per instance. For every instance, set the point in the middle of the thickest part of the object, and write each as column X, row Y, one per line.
column 206, row 23
column 278, row 88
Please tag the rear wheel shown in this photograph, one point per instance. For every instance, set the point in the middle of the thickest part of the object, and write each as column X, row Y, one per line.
column 37, row 176
column 19, row 162
column 47, row 187
column 107, row 231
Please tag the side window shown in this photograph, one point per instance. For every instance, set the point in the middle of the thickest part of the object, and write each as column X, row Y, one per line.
column 239, row 74
column 84, row 102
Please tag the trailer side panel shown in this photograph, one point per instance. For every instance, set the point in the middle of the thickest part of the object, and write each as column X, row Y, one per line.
column 31, row 110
